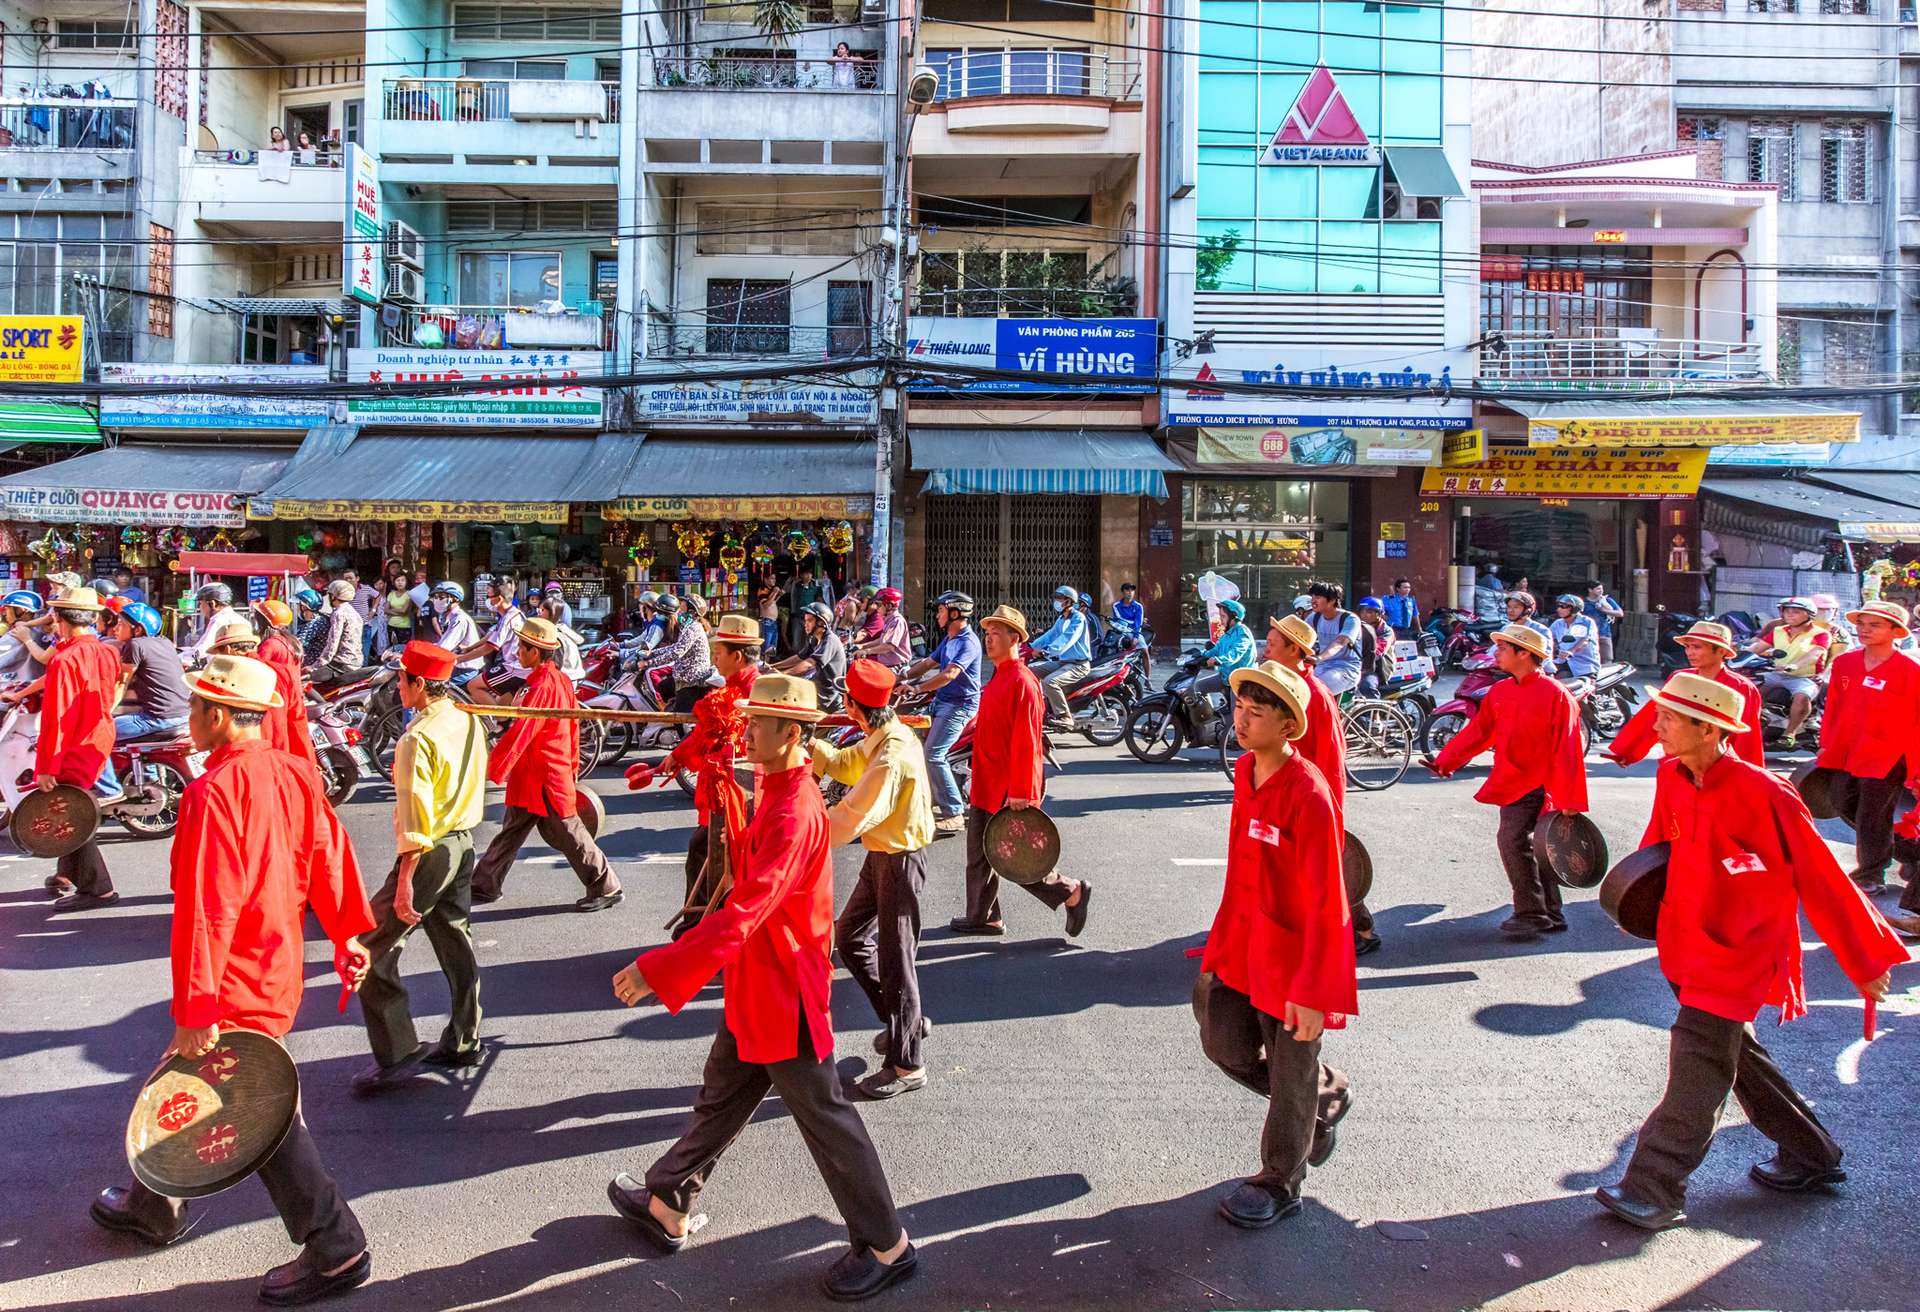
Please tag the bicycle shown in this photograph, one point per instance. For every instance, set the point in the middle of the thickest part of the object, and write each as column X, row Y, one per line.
column 1379, row 737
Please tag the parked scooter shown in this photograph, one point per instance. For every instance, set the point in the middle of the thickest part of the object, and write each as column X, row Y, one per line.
column 1450, row 717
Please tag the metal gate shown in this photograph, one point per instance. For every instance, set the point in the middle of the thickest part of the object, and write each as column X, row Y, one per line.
column 1012, row 548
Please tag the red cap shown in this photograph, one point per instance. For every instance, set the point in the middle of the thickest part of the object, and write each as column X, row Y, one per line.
column 870, row 683
column 427, row 660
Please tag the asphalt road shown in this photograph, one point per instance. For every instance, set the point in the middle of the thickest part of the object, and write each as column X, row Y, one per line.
column 1072, row 1143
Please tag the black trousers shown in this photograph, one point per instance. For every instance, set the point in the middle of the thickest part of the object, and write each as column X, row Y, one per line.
column 309, row 1202
column 443, row 895
column 1873, row 824
column 1303, row 1093
column 1535, row 891
column 878, row 935
column 730, row 1090
column 563, row 833
column 1709, row 1056
column 86, row 868
column 983, row 886
column 696, row 880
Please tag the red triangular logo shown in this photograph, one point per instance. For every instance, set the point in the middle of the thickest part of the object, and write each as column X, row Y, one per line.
column 1204, row 375
column 1320, row 116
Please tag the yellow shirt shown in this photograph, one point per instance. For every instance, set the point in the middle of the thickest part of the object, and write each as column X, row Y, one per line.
column 890, row 807
column 433, row 795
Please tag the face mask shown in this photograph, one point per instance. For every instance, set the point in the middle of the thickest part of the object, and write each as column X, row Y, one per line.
column 1060, row 607
column 439, row 605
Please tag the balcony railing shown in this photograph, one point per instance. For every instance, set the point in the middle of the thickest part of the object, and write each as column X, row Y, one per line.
column 330, row 158
column 1024, row 303
column 725, row 73
column 468, row 100
column 1627, row 358
column 753, row 341
column 501, row 328
column 64, row 123
column 1035, row 72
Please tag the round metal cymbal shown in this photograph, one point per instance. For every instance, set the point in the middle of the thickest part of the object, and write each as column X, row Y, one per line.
column 56, row 822
column 1356, row 867
column 1830, row 794
column 202, row 1124
column 1632, row 891
column 592, row 811
column 1571, row 846
column 1023, row 846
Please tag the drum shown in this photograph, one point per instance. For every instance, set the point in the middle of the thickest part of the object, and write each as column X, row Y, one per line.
column 56, row 822
column 1023, row 846
column 1829, row 793
column 592, row 811
column 1570, row 846
column 1356, row 866
column 1632, row 891
column 203, row 1124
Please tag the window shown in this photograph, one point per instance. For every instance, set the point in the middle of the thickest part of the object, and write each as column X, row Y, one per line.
column 1770, row 154
column 1707, row 136
column 94, row 34
column 159, row 280
column 71, row 264
column 352, row 116
column 523, row 70
column 597, row 217
column 775, row 230
column 749, row 316
column 1011, row 11
column 507, row 278
column 1006, row 211
column 1773, row 6
column 995, row 71
column 1850, row 7
column 1011, row 284
column 1846, row 175
column 849, row 318
column 1850, row 352
column 534, row 23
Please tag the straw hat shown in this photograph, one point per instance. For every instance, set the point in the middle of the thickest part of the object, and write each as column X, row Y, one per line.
column 1699, row 698
column 1297, row 630
column 1890, row 611
column 79, row 599
column 1714, row 635
column 784, row 697
column 234, row 633
column 1283, row 683
column 737, row 628
column 1008, row 617
column 237, row 681
column 543, row 634
column 1526, row 639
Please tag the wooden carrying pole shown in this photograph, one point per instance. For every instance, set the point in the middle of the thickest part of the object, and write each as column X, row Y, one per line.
column 633, row 717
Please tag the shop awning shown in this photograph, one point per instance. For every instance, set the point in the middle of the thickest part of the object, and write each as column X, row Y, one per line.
column 137, row 485
column 1682, row 422
column 746, row 478
column 1082, row 461
column 45, row 421
column 341, row 473
column 1860, row 518
column 1423, row 171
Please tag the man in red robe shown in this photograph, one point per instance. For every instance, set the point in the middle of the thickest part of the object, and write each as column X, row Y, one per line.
column 1871, row 730
column 1009, row 772
column 537, row 760
column 771, row 938
column 1278, row 968
column 1708, row 645
column 76, row 738
column 257, row 847
column 1533, row 726
column 1743, row 861
column 286, row 727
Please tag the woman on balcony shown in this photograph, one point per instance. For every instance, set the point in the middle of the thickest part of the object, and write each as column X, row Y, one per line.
column 845, row 70
column 277, row 140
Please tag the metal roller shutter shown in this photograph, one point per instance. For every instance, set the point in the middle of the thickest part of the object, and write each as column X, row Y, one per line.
column 1012, row 548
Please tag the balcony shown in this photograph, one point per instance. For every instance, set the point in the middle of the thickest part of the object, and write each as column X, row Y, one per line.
column 1631, row 358
column 269, row 194
column 727, row 73
column 1058, row 73
column 556, row 123
column 503, row 328
column 1034, row 111
column 709, row 114
column 68, row 137
column 757, row 341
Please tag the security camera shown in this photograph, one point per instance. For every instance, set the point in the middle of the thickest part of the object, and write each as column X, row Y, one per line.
column 923, row 86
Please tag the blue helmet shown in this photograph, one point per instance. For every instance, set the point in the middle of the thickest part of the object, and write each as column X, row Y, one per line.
column 309, row 598
column 1234, row 609
column 142, row 617
column 448, row 588
column 1068, row 591
column 25, row 599
column 1373, row 603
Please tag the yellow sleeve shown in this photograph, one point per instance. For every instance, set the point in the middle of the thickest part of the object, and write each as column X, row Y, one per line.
column 846, row 766
column 413, row 795
column 870, row 801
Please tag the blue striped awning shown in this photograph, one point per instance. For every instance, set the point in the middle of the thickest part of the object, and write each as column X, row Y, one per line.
column 1080, row 461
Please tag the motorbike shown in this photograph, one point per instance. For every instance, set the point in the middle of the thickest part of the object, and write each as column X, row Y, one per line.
column 1451, row 636
column 153, row 772
column 343, row 762
column 637, row 690
column 1160, row 724
column 1451, row 716
column 1610, row 702
column 1776, row 704
column 1100, row 699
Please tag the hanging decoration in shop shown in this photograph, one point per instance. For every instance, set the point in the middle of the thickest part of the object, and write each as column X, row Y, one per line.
column 42, row 546
column 9, row 544
column 799, row 543
column 733, row 555
column 691, row 540
column 761, row 553
column 641, row 553
column 839, row 537
column 305, row 542
column 221, row 542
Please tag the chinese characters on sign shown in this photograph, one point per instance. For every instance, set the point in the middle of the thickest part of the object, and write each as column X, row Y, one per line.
column 40, row 348
column 1633, row 472
column 364, row 241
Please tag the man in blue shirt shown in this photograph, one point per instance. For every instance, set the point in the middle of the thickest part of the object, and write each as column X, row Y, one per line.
column 1337, row 659
column 955, row 669
column 1576, row 639
column 1069, row 654
column 1603, row 611
column 123, row 584
column 1129, row 611
column 1402, row 611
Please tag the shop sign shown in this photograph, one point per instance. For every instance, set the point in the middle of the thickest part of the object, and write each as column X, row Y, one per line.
column 451, row 512
column 1634, row 473
column 759, row 508
column 68, row 504
column 1200, row 404
column 538, row 389
column 365, row 244
column 1318, row 446
column 1104, row 355
column 1393, row 530
column 41, row 348
column 188, row 408
column 1889, row 531
column 756, row 401
column 1320, row 128
column 1466, row 447
column 1694, row 430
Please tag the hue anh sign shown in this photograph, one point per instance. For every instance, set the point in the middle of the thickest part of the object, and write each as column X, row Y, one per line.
column 1095, row 355
column 1320, row 128
column 364, row 241
column 535, row 389
column 67, row 504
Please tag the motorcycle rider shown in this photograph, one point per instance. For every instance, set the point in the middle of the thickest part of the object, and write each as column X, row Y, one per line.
column 502, row 674
column 1337, row 661
column 17, row 663
column 214, row 602
column 1799, row 647
column 1376, row 646
column 821, row 657
column 952, row 674
column 892, row 644
column 1232, row 650
column 344, row 650
column 652, row 627
column 684, row 647
column 1068, row 652
column 153, row 693
column 454, row 629
column 1708, row 646
column 1576, row 638
column 1129, row 611
column 310, row 625
column 1521, row 610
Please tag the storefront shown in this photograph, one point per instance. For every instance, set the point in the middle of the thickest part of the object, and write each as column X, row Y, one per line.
column 1270, row 537
column 1772, row 534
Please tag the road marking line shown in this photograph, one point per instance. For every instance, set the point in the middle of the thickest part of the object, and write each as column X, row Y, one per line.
column 1198, row 860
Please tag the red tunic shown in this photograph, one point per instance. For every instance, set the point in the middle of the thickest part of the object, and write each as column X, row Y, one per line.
column 1325, row 745
column 287, row 727
column 257, row 845
column 1745, row 859
column 773, row 934
column 1872, row 718
column 1533, row 726
column 76, row 714
column 1007, row 743
column 1283, row 933
column 701, row 746
column 1636, row 737
column 537, row 759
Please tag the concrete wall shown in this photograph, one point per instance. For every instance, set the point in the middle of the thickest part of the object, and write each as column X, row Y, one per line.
column 30, row 59
column 1601, row 75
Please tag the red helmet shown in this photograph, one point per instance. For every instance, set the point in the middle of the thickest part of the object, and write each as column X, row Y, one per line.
column 891, row 596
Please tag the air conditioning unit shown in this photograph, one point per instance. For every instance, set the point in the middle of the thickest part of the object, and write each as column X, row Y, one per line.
column 407, row 286
column 873, row 11
column 404, row 245
column 1391, row 200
